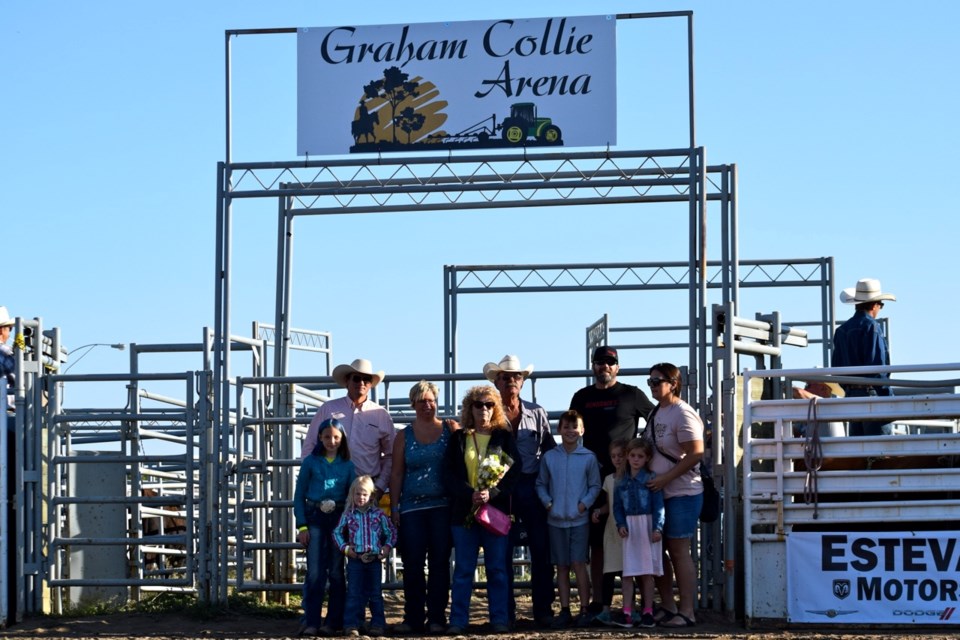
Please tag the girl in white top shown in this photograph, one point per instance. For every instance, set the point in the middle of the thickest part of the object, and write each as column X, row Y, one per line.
column 612, row 543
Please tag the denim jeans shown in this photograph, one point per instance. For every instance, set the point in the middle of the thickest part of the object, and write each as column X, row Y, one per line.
column 364, row 585
column 425, row 544
column 466, row 546
column 864, row 427
column 528, row 509
column 324, row 562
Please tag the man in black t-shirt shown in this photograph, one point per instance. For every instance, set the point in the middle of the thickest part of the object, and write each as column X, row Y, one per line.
column 610, row 410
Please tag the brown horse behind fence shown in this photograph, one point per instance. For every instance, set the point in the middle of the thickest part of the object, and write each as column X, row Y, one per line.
column 172, row 524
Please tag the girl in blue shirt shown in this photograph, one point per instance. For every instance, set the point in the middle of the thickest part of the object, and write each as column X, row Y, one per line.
column 325, row 477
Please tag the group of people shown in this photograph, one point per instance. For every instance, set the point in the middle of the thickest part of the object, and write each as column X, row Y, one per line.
column 606, row 500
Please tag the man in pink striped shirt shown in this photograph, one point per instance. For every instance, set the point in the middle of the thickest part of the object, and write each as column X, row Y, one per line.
column 367, row 425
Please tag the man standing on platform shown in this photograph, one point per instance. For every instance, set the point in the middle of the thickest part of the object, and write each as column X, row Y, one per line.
column 860, row 342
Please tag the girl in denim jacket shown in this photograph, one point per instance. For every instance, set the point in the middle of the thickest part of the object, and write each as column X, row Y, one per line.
column 639, row 515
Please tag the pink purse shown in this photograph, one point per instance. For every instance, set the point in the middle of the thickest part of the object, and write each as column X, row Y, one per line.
column 493, row 520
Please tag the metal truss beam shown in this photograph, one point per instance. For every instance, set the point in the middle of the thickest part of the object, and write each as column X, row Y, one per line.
column 629, row 276
column 475, row 182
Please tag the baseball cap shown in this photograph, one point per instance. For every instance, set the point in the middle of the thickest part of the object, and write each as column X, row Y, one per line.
column 605, row 352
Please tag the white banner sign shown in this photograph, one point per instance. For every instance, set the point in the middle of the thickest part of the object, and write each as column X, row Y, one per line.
column 897, row 577
column 457, row 85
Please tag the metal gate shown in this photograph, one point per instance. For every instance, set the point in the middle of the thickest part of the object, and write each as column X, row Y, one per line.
column 893, row 482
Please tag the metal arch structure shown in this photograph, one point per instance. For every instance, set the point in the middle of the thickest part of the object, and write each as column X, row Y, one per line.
column 483, row 182
column 728, row 276
column 411, row 184
column 756, row 274
column 425, row 183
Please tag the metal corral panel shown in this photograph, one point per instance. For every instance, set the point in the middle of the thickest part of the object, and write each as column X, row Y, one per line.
column 867, row 408
column 847, row 512
column 89, row 520
column 860, row 493
column 769, row 579
column 865, row 481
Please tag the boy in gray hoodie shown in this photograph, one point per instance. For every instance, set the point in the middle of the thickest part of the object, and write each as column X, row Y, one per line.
column 569, row 482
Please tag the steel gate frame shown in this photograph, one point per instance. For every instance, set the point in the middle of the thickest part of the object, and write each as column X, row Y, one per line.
column 612, row 177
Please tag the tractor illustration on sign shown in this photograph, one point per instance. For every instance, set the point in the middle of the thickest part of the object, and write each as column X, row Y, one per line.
column 523, row 123
column 390, row 105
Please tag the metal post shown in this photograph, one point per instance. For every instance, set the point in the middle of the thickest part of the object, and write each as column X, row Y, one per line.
column 701, row 194
column 16, row 528
column 4, row 521
column 130, row 441
column 828, row 314
column 734, row 240
column 448, row 286
column 284, row 347
column 729, row 457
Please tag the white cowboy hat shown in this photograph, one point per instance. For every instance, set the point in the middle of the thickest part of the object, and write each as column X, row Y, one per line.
column 5, row 319
column 343, row 371
column 510, row 364
column 867, row 290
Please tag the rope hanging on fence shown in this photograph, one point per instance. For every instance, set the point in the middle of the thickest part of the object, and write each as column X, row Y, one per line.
column 812, row 457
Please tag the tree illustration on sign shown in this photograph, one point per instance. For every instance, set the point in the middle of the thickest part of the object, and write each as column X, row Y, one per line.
column 410, row 121
column 397, row 101
column 394, row 87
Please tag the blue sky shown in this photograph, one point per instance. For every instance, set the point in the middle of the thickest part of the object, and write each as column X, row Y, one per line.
column 841, row 118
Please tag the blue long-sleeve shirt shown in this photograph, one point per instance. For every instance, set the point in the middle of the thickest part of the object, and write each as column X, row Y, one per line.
column 632, row 497
column 321, row 480
column 859, row 342
column 567, row 479
column 8, row 364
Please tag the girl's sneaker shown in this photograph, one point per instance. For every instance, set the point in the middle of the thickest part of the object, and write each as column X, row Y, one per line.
column 647, row 621
column 562, row 621
column 618, row 618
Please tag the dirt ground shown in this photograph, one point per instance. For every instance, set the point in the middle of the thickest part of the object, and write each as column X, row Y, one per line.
column 249, row 626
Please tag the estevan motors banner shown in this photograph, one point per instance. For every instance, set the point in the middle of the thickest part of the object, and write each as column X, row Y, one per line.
column 864, row 577
column 457, row 85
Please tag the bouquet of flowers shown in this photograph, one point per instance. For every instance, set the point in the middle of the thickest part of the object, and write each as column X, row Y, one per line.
column 490, row 471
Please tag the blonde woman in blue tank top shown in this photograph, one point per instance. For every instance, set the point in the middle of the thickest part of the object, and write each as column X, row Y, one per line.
column 420, row 509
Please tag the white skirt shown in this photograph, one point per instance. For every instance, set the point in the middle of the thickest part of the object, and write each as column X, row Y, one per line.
column 641, row 556
column 612, row 547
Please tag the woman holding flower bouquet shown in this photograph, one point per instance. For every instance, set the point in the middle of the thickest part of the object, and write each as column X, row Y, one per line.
column 480, row 471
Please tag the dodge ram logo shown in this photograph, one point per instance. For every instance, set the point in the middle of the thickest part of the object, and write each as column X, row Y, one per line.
column 841, row 588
